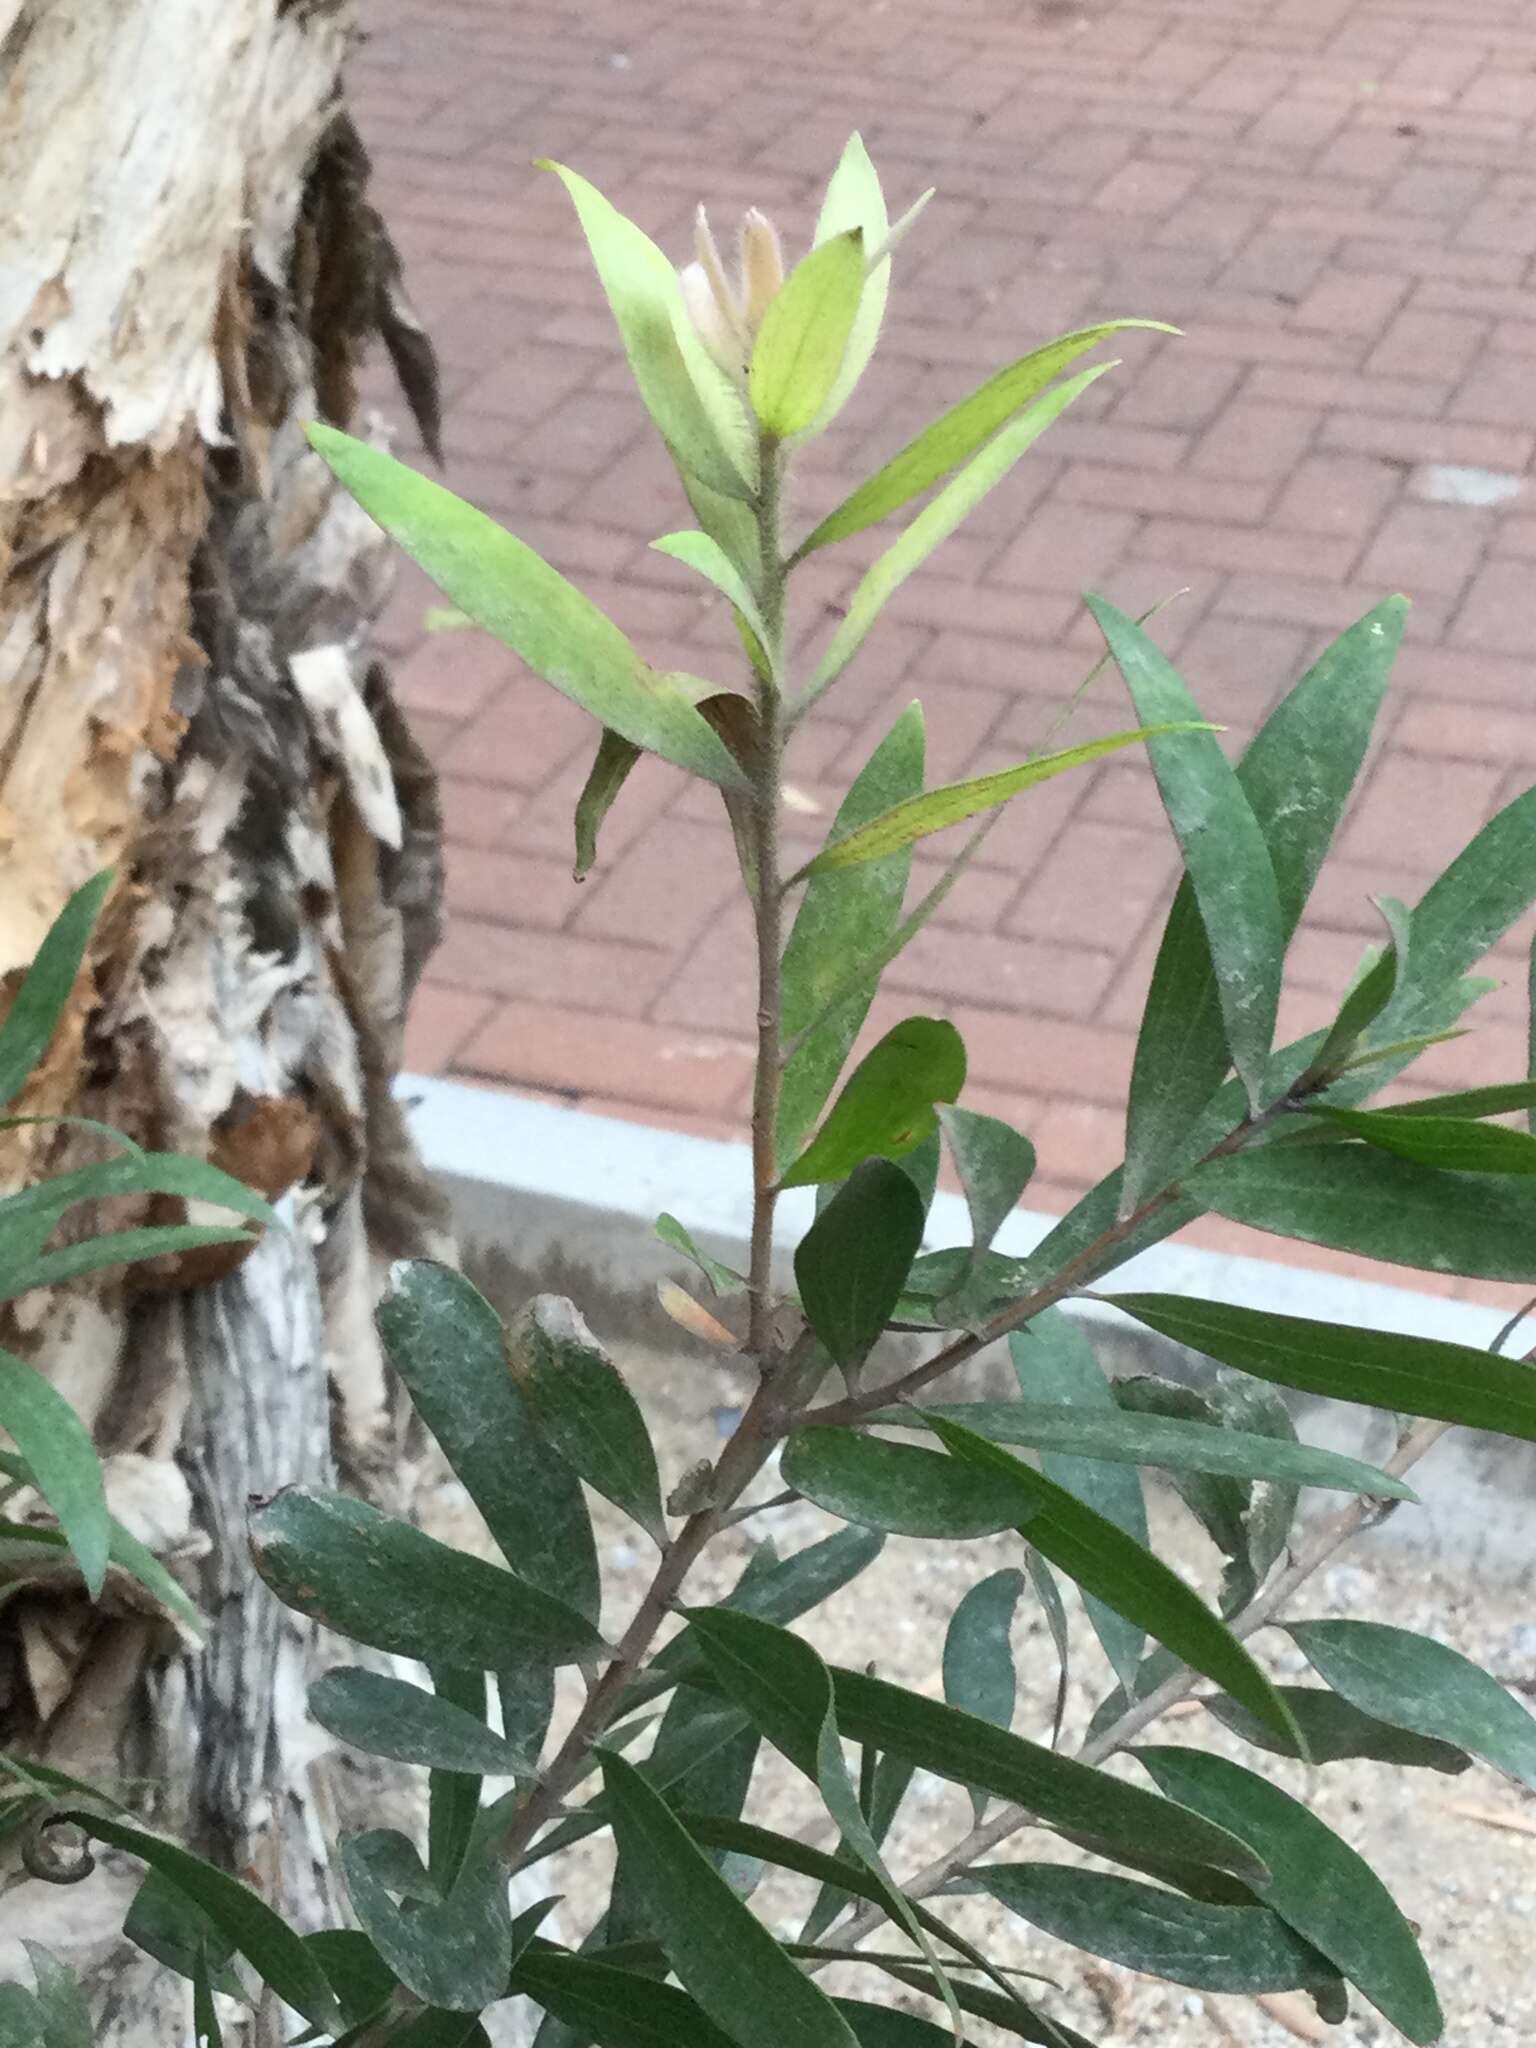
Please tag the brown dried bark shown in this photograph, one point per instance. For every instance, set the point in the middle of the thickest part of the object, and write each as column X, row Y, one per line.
column 190, row 270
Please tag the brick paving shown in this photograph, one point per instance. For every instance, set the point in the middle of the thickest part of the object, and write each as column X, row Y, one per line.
column 1335, row 199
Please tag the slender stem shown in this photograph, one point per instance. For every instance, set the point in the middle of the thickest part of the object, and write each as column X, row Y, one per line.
column 769, row 907
column 1329, row 1539
column 764, row 1422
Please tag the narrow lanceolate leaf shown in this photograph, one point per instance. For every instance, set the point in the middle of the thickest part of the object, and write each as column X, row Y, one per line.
column 702, row 552
column 886, row 1108
column 804, row 336
column 1413, row 1375
column 937, row 809
column 1457, row 1144
column 1372, row 992
column 21, row 2019
column 854, row 200
column 60, row 1999
column 1055, row 1363
column 957, row 435
column 383, row 1583
column 62, row 1461
column 1226, row 858
column 39, row 1003
column 937, row 521
column 447, row 1344
column 277, row 1955
column 852, row 1263
column 1415, row 1683
column 531, row 608
column 979, row 1673
column 841, row 915
column 722, row 1279
column 1497, row 1100
column 583, row 1408
column 116, row 1248
column 454, row 1952
column 995, row 1164
column 1125, row 1576
column 1357, row 1198
column 721, row 1952
column 1488, row 886
column 1210, row 1947
column 1043, row 1583
column 786, row 1689
column 1335, row 1730
column 1296, row 777
column 613, row 2008
column 1328, row 1894
column 1166, row 1442
column 392, row 1718
column 694, row 408
column 895, row 1487
column 205, row 2020
column 609, row 771
column 1063, row 1794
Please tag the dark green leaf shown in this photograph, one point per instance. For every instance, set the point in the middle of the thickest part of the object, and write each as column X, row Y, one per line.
column 395, row 1588
column 1335, row 1731
column 116, row 1248
column 1415, row 1375
column 1056, row 1790
column 1225, row 855
column 1412, row 1682
column 390, row 1717
column 723, row 1955
column 167, row 1925
column 60, row 1998
column 895, row 1487
column 1187, row 1941
column 454, row 1951
column 527, row 1697
column 1327, row 1893
column 609, row 772
column 1496, row 1101
column 1124, row 1575
column 453, row 1796
column 34, row 1015
column 979, row 1674
column 584, row 1409
column 882, row 2026
column 612, row 2007
column 354, row 1970
column 531, row 608
column 277, row 1955
column 438, row 2029
column 1456, row 1144
column 882, row 1789
column 447, row 1343
column 1296, row 776
column 995, row 1163
column 852, row 1263
column 1160, row 1441
column 886, row 1107
column 1490, row 884
column 800, row 346
column 62, row 1460
column 1048, row 1593
column 1371, row 993
column 1009, row 2013
column 21, row 2018
column 840, row 915
column 1356, row 1198
column 958, row 434
column 1055, row 1363
column 206, row 2031
column 936, row 810
column 722, row 1279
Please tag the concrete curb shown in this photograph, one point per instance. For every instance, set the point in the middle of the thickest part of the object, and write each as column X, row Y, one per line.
column 548, row 1198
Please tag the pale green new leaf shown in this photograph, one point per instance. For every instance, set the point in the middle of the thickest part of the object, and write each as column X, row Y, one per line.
column 937, row 809
column 958, row 433
column 701, row 552
column 854, row 200
column 804, row 336
column 531, row 608
column 937, row 521
column 695, row 410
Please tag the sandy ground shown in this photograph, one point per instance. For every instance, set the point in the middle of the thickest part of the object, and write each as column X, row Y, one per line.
column 1459, row 1853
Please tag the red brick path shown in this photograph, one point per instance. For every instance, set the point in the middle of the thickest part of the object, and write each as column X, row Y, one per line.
column 1336, row 199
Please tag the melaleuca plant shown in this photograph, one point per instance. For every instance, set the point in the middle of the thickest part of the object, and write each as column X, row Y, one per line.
column 1232, row 1884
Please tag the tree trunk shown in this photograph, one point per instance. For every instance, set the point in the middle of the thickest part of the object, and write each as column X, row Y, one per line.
column 189, row 270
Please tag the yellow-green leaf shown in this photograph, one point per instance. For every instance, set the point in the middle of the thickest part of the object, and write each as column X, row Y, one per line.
column 804, row 336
